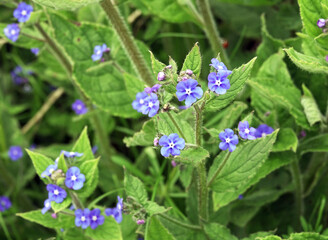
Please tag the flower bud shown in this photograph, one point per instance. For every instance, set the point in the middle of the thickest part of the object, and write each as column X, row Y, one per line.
column 321, row 23
column 327, row 58
column 54, row 215
column 140, row 221
column 189, row 72
column 161, row 76
column 173, row 163
column 168, row 66
column 156, row 141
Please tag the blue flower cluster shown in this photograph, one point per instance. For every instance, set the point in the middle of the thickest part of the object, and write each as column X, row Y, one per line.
column 22, row 13
column 85, row 218
column 5, row 203
column 171, row 145
column 218, row 81
column 98, row 52
column 116, row 212
column 229, row 139
column 147, row 101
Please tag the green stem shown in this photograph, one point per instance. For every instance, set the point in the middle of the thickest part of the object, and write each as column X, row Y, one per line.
column 219, row 170
column 94, row 202
column 4, row 227
column 198, row 125
column 178, row 222
column 298, row 189
column 176, row 125
column 211, row 30
column 76, row 201
column 128, row 42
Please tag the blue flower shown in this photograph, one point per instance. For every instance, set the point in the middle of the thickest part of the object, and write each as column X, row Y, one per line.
column 50, row 169
column 188, row 90
column 171, row 144
column 15, row 75
column 263, row 130
column 117, row 211
column 74, row 178
column 82, row 218
column 153, row 89
column 229, row 140
column 94, row 149
column 79, row 107
column 35, row 51
column 240, row 197
column 321, row 23
column 56, row 193
column 220, row 67
column 71, row 154
column 15, row 153
column 5, row 203
column 47, row 206
column 245, row 131
column 23, row 12
column 12, row 31
column 140, row 101
column 98, row 52
column 218, row 83
column 96, row 218
column 151, row 105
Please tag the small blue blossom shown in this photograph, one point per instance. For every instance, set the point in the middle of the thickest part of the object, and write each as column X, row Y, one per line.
column 47, row 206
column 218, row 83
column 220, row 67
column 15, row 153
column 82, row 218
column 188, row 90
column 35, row 51
column 56, row 193
column 117, row 211
column 229, row 140
column 50, row 169
column 12, row 31
column 245, row 131
column 96, row 218
column 140, row 101
column 153, row 89
column 74, row 178
column 98, row 52
column 94, row 149
column 71, row 154
column 23, row 12
column 240, row 197
column 263, row 130
column 79, row 107
column 151, row 105
column 321, row 23
column 171, row 144
column 5, row 203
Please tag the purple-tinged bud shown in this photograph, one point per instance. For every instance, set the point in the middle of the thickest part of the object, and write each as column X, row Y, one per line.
column 327, row 58
column 161, row 76
column 140, row 221
column 173, row 163
column 148, row 90
column 156, row 141
column 240, row 197
column 102, row 60
column 184, row 79
column 189, row 72
column 107, row 50
column 54, row 215
column 169, row 67
column 321, row 23
column 302, row 134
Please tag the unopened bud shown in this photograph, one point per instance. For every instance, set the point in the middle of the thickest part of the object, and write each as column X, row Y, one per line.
column 140, row 221
column 189, row 72
column 321, row 23
column 161, row 76
column 156, row 141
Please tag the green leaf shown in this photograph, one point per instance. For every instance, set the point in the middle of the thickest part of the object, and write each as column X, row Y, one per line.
column 310, row 106
column 67, row 5
column 40, row 162
column 90, row 169
column 153, row 208
column 254, row 236
column 253, row 3
column 143, row 138
column 62, row 163
column 57, row 207
column 274, row 83
column 308, row 63
column 155, row 230
column 157, row 66
column 46, row 220
column 83, row 145
column 307, row 236
column 239, row 169
column 133, row 85
column 135, row 188
column 193, row 61
column 216, row 231
column 314, row 144
column 110, row 230
column 237, row 82
column 286, row 140
column 192, row 155
column 269, row 238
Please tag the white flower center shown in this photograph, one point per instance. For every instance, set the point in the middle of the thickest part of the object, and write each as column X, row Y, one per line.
column 83, row 218
column 79, row 107
column 94, row 218
column 228, row 140
column 171, row 145
column 51, row 170
column 150, row 104
column 98, row 52
column 188, row 91
column 15, row 152
column 56, row 192
column 246, row 130
column 141, row 101
column 13, row 32
column 47, row 204
column 24, row 12
column 220, row 67
column 73, row 178
column 263, row 135
column 218, row 82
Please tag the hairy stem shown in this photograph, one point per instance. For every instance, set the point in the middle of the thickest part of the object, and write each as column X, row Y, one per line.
column 76, row 201
column 211, row 30
column 219, row 169
column 4, row 227
column 128, row 42
column 53, row 97
column 176, row 125
column 299, row 207
column 178, row 222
